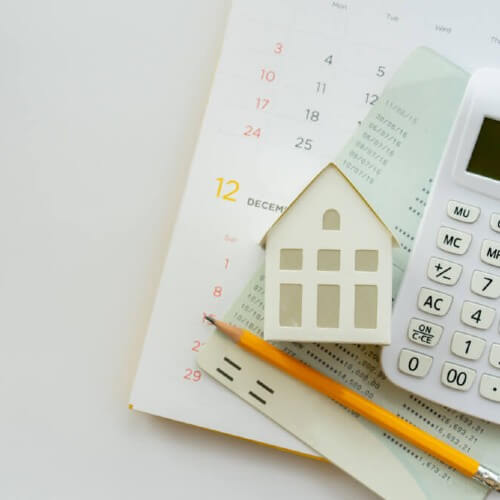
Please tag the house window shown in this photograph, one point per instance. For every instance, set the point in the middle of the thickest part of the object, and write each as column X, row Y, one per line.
column 328, row 306
column 328, row 260
column 331, row 220
column 291, row 259
column 290, row 304
column 366, row 260
column 365, row 306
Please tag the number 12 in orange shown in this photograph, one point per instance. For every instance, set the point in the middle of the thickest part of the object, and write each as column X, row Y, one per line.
column 235, row 186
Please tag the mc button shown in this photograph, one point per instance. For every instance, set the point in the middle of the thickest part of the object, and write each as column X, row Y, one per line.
column 453, row 241
column 434, row 302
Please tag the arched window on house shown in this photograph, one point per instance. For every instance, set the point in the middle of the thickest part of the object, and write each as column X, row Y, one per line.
column 331, row 220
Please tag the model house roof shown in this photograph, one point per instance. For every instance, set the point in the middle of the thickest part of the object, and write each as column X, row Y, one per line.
column 395, row 241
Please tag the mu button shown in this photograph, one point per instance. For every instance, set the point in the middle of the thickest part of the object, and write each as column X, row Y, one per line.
column 434, row 302
column 462, row 212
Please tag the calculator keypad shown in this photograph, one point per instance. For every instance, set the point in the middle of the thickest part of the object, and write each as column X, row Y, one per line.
column 457, row 377
column 453, row 241
column 443, row 271
column 485, row 284
column 477, row 315
column 434, row 302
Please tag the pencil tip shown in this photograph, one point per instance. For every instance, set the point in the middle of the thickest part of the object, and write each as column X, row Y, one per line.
column 210, row 319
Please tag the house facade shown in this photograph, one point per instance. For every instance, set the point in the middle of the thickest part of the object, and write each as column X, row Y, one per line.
column 328, row 267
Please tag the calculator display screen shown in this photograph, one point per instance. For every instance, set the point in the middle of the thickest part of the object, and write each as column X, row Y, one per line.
column 485, row 158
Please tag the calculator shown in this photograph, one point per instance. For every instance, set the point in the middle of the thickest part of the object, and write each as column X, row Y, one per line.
column 445, row 327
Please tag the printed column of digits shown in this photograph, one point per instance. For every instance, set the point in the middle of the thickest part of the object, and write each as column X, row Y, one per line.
column 371, row 97
column 311, row 114
column 376, row 75
column 226, row 190
column 267, row 76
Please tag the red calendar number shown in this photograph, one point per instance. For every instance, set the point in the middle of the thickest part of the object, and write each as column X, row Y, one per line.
column 251, row 131
column 196, row 345
column 262, row 103
column 268, row 75
column 192, row 375
column 217, row 291
column 226, row 263
column 278, row 48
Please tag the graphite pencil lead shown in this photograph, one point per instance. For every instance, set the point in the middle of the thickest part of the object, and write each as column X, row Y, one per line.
column 210, row 319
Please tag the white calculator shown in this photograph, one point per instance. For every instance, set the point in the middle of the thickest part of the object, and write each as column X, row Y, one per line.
column 445, row 330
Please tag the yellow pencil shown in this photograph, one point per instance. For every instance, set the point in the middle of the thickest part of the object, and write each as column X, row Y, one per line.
column 352, row 400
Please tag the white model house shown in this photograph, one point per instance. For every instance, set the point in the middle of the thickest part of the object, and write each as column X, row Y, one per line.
column 329, row 267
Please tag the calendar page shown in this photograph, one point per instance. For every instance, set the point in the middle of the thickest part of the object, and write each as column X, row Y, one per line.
column 295, row 80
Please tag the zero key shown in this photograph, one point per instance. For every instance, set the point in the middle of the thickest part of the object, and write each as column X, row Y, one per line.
column 414, row 363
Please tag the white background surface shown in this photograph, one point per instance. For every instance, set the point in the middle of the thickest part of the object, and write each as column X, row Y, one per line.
column 100, row 106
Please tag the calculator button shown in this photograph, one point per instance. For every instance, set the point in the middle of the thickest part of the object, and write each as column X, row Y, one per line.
column 443, row 271
column 424, row 332
column 453, row 241
column 467, row 346
column 495, row 222
column 457, row 377
column 490, row 252
column 462, row 212
column 477, row 315
column 494, row 358
column 489, row 387
column 414, row 363
column 434, row 302
column 485, row 284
